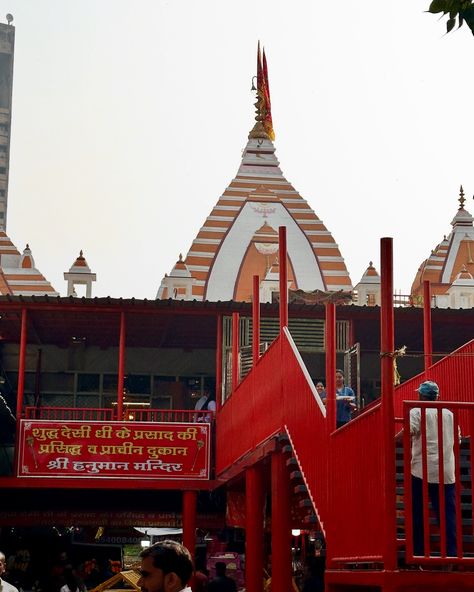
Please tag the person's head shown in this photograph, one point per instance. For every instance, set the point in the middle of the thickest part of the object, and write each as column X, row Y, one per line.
column 221, row 568
column 70, row 578
column 320, row 387
column 166, row 567
column 339, row 378
column 3, row 564
column 428, row 391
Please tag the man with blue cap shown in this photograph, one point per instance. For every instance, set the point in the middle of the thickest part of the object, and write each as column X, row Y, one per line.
column 429, row 391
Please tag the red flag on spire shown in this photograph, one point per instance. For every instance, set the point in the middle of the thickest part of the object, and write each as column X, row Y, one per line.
column 267, row 121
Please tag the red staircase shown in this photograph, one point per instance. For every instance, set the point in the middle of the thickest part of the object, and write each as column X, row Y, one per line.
column 343, row 471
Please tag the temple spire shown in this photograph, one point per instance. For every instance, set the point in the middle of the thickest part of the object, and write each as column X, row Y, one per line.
column 462, row 199
column 263, row 128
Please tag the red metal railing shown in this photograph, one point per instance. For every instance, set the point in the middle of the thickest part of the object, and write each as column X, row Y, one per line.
column 345, row 474
column 454, row 374
column 431, row 551
column 278, row 395
column 356, row 490
column 257, row 403
column 96, row 414
column 304, row 419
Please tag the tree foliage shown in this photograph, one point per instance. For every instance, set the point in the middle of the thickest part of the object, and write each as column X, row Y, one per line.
column 460, row 11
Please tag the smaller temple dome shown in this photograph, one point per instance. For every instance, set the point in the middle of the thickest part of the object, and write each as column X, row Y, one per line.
column 450, row 264
column 180, row 269
column 464, row 278
column 80, row 265
column 27, row 261
column 79, row 274
column 178, row 285
column 368, row 290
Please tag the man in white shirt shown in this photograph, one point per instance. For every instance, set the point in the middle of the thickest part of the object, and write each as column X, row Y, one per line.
column 429, row 391
column 166, row 567
column 5, row 586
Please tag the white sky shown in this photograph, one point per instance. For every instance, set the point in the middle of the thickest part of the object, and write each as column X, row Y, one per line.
column 129, row 119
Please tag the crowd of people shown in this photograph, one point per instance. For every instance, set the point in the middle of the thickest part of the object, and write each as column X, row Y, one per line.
column 19, row 573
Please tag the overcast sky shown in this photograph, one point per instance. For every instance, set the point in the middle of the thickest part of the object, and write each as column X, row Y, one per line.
column 129, row 119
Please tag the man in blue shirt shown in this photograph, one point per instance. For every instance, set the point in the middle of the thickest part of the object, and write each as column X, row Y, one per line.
column 345, row 400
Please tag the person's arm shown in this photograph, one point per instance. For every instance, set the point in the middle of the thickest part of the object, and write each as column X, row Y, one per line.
column 415, row 421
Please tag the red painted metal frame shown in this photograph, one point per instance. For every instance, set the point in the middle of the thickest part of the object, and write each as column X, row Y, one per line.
column 281, row 525
column 268, row 393
column 254, row 502
column 22, row 361
column 189, row 521
column 121, row 366
column 387, row 371
column 219, row 363
column 330, row 344
column 427, row 332
column 283, row 278
column 256, row 320
column 452, row 373
column 235, row 349
column 51, row 483
column 107, row 414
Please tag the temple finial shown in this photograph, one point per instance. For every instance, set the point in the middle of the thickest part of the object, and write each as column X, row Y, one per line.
column 462, row 199
column 263, row 128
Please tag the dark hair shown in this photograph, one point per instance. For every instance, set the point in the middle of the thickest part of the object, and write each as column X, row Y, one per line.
column 221, row 568
column 71, row 579
column 170, row 556
column 429, row 396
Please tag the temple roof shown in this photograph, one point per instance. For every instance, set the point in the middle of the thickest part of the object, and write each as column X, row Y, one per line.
column 18, row 273
column 452, row 257
column 224, row 256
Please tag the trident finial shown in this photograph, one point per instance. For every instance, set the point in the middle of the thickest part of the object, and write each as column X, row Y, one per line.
column 462, row 199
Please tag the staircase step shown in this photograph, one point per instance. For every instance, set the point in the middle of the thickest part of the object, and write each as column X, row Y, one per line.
column 296, row 476
column 465, row 493
column 292, row 462
column 301, row 489
column 464, row 506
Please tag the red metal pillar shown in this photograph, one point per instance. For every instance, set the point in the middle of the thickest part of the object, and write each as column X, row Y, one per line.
column 283, row 279
column 189, row 521
column 254, row 502
column 219, row 364
column 256, row 320
column 235, row 350
column 388, row 416
column 281, row 525
column 121, row 366
column 427, row 336
column 22, row 363
column 330, row 338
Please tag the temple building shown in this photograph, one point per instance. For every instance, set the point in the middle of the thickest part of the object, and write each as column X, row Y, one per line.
column 450, row 266
column 239, row 239
column 18, row 273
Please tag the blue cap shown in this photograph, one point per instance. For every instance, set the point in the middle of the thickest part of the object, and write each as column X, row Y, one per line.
column 428, row 388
